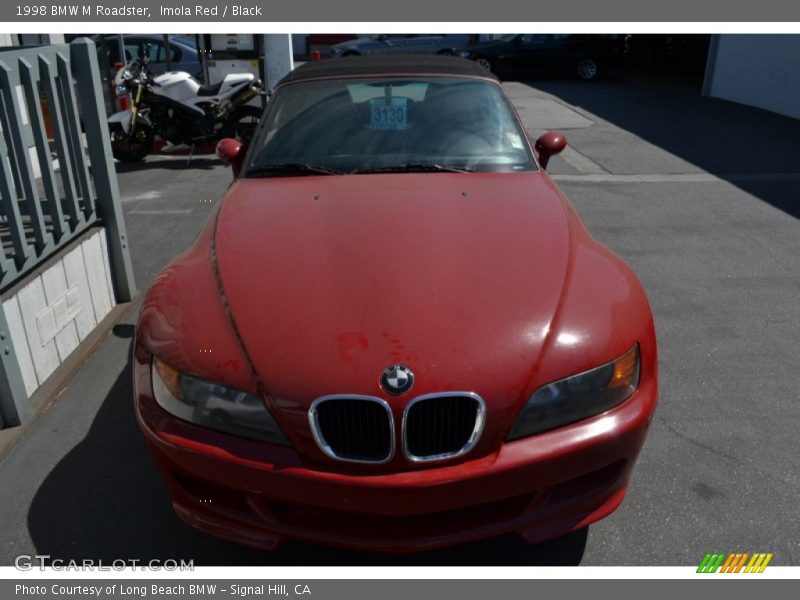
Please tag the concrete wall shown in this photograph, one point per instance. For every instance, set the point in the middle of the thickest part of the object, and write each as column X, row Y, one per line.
column 758, row 70
column 278, row 60
column 30, row 39
column 58, row 307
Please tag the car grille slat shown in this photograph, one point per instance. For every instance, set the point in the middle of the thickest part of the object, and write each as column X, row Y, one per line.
column 358, row 429
column 442, row 425
column 361, row 428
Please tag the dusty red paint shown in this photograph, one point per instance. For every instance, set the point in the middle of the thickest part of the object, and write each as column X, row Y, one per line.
column 349, row 343
column 497, row 291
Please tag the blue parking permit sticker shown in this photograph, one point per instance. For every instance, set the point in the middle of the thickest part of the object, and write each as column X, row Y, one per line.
column 388, row 115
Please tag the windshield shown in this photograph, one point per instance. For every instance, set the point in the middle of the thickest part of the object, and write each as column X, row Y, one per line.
column 398, row 123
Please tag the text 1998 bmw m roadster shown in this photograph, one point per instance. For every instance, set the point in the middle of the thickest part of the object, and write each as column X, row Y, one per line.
column 394, row 333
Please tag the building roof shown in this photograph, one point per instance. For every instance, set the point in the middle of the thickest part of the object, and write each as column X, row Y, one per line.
column 404, row 64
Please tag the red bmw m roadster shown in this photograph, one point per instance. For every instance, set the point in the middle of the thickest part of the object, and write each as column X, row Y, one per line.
column 394, row 333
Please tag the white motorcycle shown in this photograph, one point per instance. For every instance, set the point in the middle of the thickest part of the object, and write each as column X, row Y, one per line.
column 177, row 108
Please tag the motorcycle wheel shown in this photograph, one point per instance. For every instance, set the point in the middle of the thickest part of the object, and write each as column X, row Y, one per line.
column 243, row 124
column 126, row 148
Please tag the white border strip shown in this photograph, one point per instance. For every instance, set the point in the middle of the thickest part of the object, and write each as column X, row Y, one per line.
column 401, row 27
column 310, row 573
column 472, row 572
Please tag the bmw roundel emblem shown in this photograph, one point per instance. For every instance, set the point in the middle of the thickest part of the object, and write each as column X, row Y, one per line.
column 397, row 379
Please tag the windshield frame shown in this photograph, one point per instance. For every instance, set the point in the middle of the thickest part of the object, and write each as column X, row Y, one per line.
column 247, row 164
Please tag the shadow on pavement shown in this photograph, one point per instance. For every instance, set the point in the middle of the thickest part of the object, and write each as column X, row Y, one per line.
column 105, row 500
column 723, row 138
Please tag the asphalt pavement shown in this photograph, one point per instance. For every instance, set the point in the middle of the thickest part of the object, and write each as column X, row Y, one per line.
column 700, row 196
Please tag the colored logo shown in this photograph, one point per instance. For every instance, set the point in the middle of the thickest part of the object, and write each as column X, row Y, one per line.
column 734, row 562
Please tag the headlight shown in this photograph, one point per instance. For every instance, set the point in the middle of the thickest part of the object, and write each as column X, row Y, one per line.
column 464, row 54
column 580, row 396
column 214, row 406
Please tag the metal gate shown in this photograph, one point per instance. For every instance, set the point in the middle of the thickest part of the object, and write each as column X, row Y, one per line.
column 57, row 177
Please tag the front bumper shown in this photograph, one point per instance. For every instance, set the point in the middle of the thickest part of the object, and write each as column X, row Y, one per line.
column 539, row 487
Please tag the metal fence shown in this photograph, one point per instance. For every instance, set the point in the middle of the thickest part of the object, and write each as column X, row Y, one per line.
column 57, row 175
column 49, row 196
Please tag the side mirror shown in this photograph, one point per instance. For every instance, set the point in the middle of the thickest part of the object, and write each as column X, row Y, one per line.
column 550, row 144
column 231, row 152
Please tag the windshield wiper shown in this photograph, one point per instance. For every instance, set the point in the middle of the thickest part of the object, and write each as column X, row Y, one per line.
column 416, row 168
column 292, row 169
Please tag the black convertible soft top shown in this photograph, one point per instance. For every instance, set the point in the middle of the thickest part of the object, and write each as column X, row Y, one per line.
column 356, row 66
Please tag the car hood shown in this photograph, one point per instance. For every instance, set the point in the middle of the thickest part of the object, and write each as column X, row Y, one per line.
column 331, row 279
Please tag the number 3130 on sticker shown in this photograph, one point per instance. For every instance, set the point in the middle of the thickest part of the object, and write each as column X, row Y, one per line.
column 388, row 115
